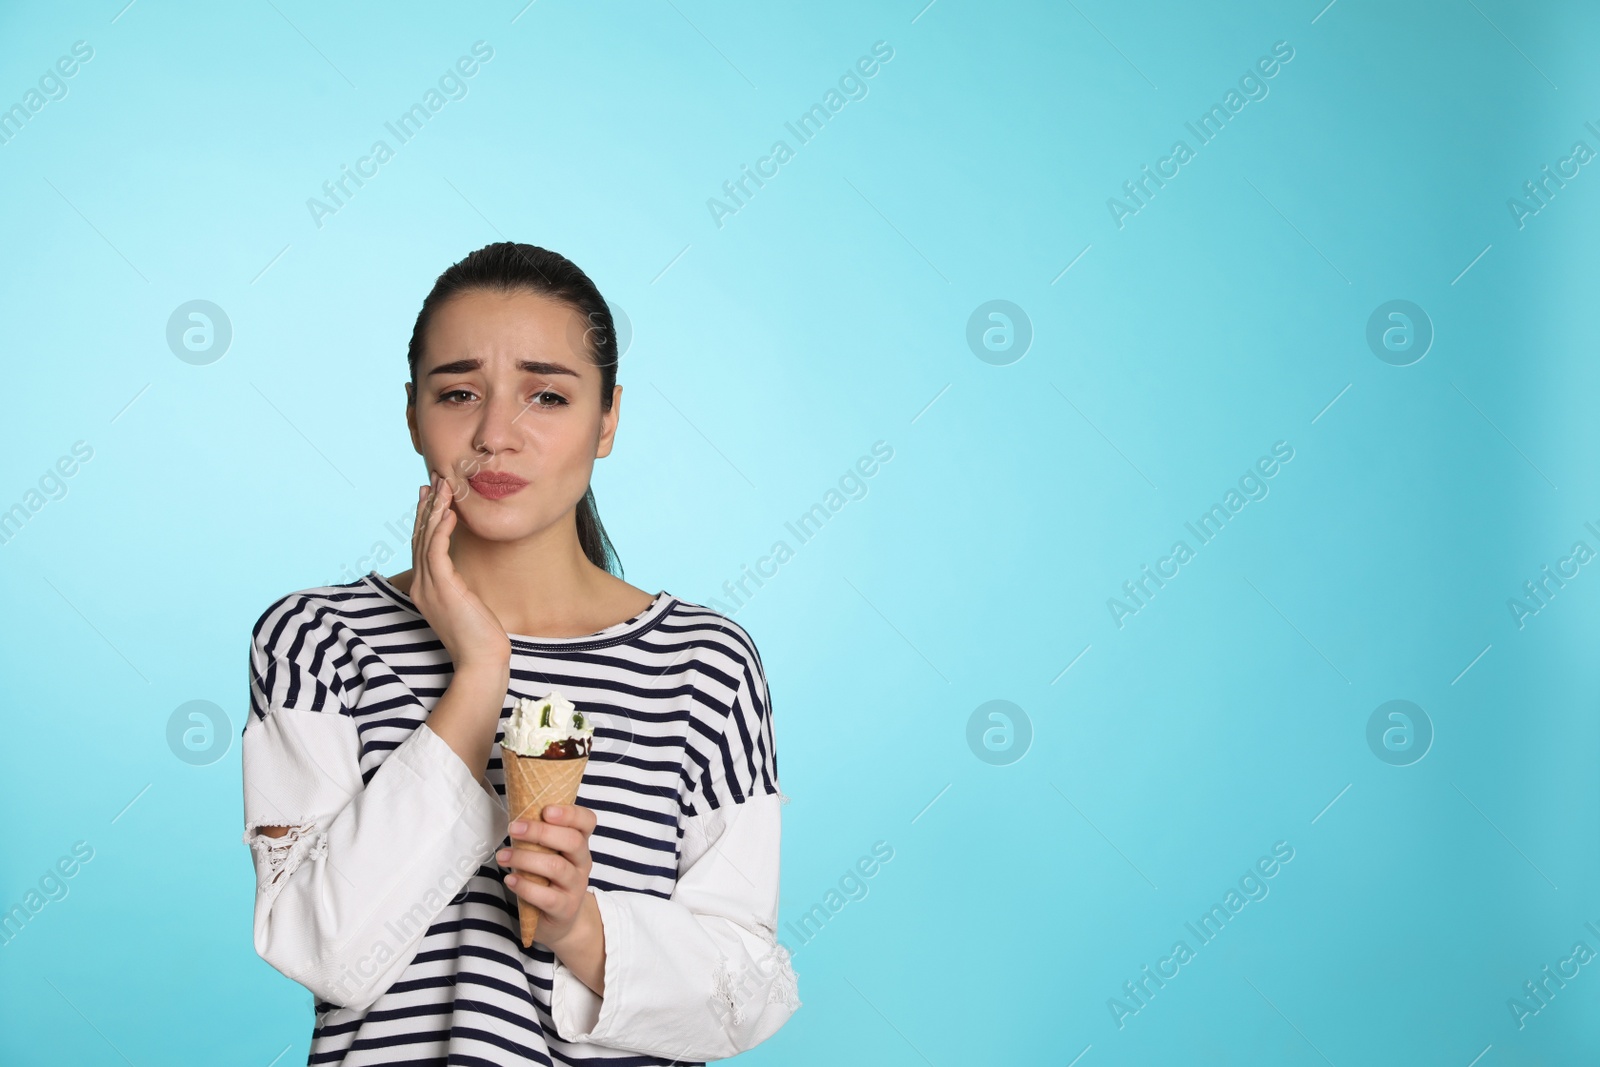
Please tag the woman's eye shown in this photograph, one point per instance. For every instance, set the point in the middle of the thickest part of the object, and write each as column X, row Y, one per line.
column 544, row 399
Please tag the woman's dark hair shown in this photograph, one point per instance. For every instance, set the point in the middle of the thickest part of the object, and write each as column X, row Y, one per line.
column 508, row 266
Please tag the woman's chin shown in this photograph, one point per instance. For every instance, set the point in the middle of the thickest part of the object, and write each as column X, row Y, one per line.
column 490, row 522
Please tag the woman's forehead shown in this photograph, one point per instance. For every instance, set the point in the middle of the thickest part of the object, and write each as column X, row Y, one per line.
column 504, row 331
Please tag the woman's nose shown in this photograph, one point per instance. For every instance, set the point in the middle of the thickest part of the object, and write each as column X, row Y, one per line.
column 501, row 426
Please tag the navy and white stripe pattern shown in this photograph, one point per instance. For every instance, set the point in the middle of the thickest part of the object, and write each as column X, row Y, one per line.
column 682, row 726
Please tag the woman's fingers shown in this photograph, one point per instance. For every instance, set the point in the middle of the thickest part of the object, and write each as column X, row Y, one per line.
column 563, row 839
column 416, row 522
column 436, row 549
column 536, row 868
column 574, row 815
column 551, row 865
column 419, row 531
column 563, row 827
column 441, row 507
column 551, row 900
column 438, row 552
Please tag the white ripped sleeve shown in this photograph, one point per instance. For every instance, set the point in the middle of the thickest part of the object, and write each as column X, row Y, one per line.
column 345, row 897
column 699, row 975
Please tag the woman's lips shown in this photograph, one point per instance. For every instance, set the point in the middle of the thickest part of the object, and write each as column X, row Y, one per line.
column 494, row 484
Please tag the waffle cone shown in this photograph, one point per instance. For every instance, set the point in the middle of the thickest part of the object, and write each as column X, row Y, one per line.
column 531, row 783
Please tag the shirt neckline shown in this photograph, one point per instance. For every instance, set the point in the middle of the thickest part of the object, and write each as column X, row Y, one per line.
column 613, row 634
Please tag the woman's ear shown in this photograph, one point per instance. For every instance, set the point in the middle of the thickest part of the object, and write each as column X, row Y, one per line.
column 411, row 419
column 608, row 424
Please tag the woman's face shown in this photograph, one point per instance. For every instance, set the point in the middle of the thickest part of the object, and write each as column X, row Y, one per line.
column 505, row 386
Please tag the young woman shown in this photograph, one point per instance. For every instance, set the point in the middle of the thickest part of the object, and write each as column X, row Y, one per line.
column 374, row 794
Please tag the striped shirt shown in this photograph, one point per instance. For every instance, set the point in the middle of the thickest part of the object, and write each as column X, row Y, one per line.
column 386, row 901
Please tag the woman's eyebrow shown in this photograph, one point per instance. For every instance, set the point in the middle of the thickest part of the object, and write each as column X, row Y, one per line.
column 530, row 366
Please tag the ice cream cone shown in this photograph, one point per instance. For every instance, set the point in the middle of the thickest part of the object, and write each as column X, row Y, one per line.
column 531, row 783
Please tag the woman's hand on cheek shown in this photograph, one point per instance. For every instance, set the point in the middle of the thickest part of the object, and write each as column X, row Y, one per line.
column 555, row 882
column 469, row 631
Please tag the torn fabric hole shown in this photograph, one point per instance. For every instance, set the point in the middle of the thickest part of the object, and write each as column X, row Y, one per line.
column 785, row 988
column 722, row 989
column 277, row 858
column 730, row 994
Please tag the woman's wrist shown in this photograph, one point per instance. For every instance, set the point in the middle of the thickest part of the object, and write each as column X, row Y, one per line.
column 487, row 673
column 467, row 713
column 582, row 950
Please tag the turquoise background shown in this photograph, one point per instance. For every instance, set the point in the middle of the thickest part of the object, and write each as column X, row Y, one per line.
column 771, row 352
